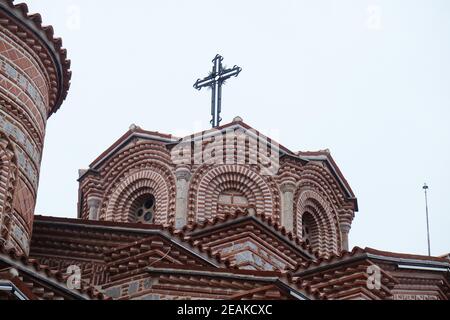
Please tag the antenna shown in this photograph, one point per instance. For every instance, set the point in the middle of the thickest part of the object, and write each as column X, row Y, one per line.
column 425, row 188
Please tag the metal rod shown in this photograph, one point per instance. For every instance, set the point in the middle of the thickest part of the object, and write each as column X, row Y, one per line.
column 425, row 188
column 213, row 97
column 213, row 105
column 219, row 103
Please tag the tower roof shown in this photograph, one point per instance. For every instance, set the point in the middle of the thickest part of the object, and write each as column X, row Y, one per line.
column 41, row 39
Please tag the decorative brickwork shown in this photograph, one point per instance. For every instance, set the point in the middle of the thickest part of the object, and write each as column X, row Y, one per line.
column 140, row 169
column 34, row 79
column 319, row 194
column 237, row 217
column 252, row 242
column 141, row 183
column 141, row 164
column 32, row 280
column 8, row 173
column 208, row 260
column 368, row 274
column 209, row 182
column 324, row 228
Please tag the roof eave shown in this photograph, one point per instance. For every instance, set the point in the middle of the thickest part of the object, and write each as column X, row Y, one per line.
column 125, row 139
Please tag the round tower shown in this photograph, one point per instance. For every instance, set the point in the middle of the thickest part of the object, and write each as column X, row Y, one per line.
column 34, row 80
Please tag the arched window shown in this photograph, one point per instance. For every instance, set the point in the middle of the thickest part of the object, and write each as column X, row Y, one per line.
column 121, row 204
column 310, row 231
column 144, row 209
column 315, row 212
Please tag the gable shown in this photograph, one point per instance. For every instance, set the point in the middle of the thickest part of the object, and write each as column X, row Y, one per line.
column 134, row 259
column 250, row 242
column 250, row 252
column 372, row 274
column 27, row 279
column 106, row 249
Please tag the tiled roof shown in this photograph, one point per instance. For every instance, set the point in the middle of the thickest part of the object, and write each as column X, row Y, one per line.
column 345, row 276
column 246, row 282
column 59, row 277
column 327, row 260
column 338, row 276
column 404, row 256
column 144, row 253
column 168, row 232
column 269, row 292
column 220, row 221
column 347, row 273
column 369, row 252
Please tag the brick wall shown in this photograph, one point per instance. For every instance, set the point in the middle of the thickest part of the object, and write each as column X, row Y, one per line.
column 29, row 86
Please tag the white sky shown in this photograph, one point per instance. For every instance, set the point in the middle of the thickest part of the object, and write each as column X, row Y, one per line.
column 368, row 79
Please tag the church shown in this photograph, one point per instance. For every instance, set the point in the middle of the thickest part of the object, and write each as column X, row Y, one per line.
column 223, row 214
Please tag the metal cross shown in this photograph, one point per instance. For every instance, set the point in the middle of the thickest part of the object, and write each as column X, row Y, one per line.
column 215, row 80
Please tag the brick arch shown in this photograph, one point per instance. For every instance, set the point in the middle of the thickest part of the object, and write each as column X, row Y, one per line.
column 143, row 182
column 8, row 177
column 311, row 202
column 137, row 155
column 209, row 182
column 314, row 175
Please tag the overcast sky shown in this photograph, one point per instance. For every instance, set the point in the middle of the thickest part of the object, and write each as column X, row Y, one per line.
column 367, row 79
